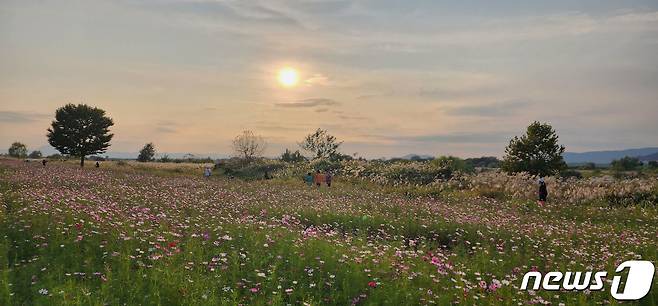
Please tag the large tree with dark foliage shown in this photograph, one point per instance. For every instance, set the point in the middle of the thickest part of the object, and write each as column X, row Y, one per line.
column 536, row 152
column 147, row 153
column 80, row 130
column 17, row 150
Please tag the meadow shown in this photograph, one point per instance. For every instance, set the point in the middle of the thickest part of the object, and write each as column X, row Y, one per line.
column 134, row 234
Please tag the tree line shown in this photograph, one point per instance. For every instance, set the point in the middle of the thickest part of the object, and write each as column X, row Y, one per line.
column 82, row 130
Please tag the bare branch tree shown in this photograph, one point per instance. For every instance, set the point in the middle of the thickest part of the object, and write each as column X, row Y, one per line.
column 249, row 145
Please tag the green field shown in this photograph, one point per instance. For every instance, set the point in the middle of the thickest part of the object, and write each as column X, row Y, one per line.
column 152, row 235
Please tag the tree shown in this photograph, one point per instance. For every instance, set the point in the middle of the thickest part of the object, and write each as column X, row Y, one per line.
column 165, row 159
column 249, row 145
column 17, row 150
column 626, row 163
column 321, row 144
column 452, row 163
column 483, row 162
column 80, row 130
column 147, row 153
column 653, row 164
column 292, row 157
column 35, row 154
column 536, row 152
column 415, row 157
column 588, row 166
column 55, row 156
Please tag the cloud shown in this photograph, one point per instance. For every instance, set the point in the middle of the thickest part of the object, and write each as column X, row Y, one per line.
column 20, row 117
column 276, row 126
column 460, row 91
column 313, row 102
column 500, row 109
column 383, row 94
column 235, row 16
column 317, row 79
column 166, row 127
column 349, row 116
column 636, row 17
column 457, row 138
column 165, row 130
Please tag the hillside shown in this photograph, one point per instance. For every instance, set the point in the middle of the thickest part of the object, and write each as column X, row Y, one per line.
column 605, row 157
column 649, row 157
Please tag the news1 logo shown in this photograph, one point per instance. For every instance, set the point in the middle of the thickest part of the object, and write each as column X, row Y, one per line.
column 638, row 282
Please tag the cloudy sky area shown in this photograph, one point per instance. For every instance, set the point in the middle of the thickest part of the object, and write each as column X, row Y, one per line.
column 387, row 77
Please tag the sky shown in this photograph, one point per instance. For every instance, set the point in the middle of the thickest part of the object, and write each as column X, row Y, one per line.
column 388, row 78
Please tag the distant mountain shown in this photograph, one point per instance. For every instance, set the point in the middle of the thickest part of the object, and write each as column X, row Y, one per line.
column 417, row 156
column 649, row 157
column 606, row 157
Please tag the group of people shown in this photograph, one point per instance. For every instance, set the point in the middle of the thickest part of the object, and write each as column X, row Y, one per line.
column 318, row 178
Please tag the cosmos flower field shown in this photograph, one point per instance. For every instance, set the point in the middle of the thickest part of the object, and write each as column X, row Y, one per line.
column 113, row 236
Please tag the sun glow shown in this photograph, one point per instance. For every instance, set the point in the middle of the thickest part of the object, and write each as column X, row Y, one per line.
column 288, row 77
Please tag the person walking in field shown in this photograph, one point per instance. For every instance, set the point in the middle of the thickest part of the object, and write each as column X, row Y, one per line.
column 327, row 178
column 308, row 179
column 318, row 178
column 543, row 192
column 207, row 171
column 98, row 164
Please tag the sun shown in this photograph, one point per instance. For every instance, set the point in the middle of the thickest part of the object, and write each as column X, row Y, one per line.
column 288, row 77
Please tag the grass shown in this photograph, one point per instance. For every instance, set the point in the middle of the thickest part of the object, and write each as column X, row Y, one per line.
column 144, row 235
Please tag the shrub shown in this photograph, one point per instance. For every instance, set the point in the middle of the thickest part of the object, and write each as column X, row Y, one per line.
column 483, row 162
column 325, row 164
column 633, row 198
column 165, row 159
column 587, row 166
column 292, row 157
column 570, row 173
column 56, row 156
column 524, row 186
column 626, row 164
column 653, row 164
column 491, row 193
column 452, row 163
column 256, row 169
column 35, row 154
column 402, row 174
